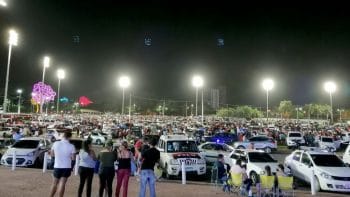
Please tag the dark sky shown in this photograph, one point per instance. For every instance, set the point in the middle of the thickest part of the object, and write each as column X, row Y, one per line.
column 299, row 47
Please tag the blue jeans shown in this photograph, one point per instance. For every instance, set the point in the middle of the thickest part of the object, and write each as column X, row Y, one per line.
column 147, row 176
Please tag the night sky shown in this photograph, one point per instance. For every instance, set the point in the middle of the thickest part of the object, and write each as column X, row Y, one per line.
column 298, row 47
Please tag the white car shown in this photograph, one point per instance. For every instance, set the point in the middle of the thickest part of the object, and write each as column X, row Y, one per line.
column 29, row 152
column 177, row 149
column 294, row 138
column 97, row 138
column 6, row 131
column 329, row 171
column 261, row 142
column 326, row 143
column 254, row 160
column 211, row 150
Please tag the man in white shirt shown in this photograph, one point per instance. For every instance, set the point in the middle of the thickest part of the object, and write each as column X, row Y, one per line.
column 64, row 153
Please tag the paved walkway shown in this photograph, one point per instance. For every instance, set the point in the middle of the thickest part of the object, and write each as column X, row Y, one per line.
column 33, row 183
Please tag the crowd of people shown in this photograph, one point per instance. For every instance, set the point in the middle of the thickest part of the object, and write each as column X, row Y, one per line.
column 110, row 163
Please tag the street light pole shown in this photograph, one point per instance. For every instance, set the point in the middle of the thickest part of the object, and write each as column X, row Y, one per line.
column 129, row 107
column 196, row 101
column 12, row 41
column 197, row 82
column 123, row 101
column 330, row 87
column 202, row 108
column 46, row 65
column 267, row 85
column 19, row 92
column 61, row 75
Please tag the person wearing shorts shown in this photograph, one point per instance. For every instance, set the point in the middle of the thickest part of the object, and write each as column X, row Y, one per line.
column 64, row 153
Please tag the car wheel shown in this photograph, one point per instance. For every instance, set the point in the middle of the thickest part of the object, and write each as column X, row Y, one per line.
column 267, row 150
column 255, row 177
column 240, row 147
column 98, row 142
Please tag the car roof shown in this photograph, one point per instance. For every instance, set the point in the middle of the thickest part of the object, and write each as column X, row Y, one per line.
column 32, row 138
column 313, row 151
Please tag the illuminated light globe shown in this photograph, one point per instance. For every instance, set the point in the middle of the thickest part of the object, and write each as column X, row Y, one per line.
column 42, row 93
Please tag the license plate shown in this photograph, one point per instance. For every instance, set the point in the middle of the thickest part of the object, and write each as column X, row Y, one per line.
column 188, row 168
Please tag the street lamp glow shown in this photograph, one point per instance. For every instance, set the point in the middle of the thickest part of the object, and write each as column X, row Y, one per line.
column 268, row 84
column 197, row 81
column 3, row 3
column 46, row 61
column 19, row 91
column 61, row 74
column 13, row 39
column 330, row 87
column 124, row 82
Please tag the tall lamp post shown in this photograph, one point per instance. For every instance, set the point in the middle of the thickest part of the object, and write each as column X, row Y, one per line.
column 197, row 82
column 12, row 42
column 19, row 92
column 124, row 82
column 330, row 87
column 340, row 111
column 298, row 109
column 46, row 64
column 267, row 84
column 60, row 75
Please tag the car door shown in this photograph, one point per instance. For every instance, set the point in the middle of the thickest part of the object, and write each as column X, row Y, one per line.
column 294, row 164
column 258, row 143
column 209, row 152
column 306, row 167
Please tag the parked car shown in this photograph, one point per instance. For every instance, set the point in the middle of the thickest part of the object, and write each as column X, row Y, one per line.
column 294, row 139
column 326, row 143
column 261, row 142
column 6, row 132
column 177, row 149
column 211, row 150
column 254, row 160
column 329, row 171
column 227, row 138
column 96, row 137
column 29, row 152
column 4, row 144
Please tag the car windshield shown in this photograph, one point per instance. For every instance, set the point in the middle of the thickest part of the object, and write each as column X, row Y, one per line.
column 26, row 144
column 294, row 134
column 260, row 157
column 181, row 146
column 327, row 139
column 327, row 160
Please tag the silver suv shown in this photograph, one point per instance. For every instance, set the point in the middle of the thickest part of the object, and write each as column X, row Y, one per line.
column 261, row 142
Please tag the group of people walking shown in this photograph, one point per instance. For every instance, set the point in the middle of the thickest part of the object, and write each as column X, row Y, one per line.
column 108, row 163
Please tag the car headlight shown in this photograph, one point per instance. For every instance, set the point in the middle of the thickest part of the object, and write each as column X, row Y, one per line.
column 326, row 175
column 174, row 162
column 31, row 154
column 201, row 161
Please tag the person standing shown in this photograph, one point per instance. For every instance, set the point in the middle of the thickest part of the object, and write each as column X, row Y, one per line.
column 124, row 169
column 86, row 168
column 107, row 157
column 64, row 153
column 149, row 157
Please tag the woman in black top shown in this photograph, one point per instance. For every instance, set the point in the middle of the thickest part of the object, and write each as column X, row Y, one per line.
column 124, row 169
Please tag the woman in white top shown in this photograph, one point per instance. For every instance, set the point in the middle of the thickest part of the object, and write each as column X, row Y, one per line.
column 87, row 164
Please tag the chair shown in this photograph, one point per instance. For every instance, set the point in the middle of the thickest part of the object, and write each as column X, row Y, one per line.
column 236, row 183
column 267, row 184
column 285, row 184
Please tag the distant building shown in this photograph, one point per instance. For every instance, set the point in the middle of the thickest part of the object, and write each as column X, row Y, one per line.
column 215, row 97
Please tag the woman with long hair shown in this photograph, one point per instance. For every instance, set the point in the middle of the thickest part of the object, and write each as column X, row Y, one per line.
column 87, row 164
column 124, row 169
